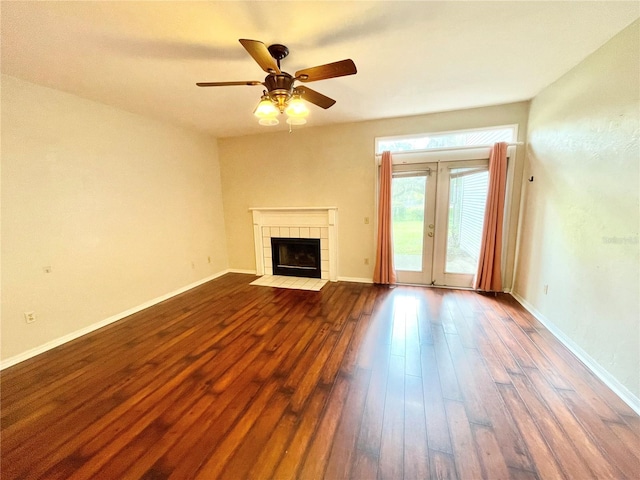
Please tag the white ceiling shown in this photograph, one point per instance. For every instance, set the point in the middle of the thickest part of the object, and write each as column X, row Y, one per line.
column 412, row 57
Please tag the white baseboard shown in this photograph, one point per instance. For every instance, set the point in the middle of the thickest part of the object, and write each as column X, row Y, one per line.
column 21, row 357
column 598, row 370
column 236, row 270
column 355, row 279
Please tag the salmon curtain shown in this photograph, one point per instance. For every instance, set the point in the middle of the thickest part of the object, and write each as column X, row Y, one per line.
column 489, row 276
column 384, row 271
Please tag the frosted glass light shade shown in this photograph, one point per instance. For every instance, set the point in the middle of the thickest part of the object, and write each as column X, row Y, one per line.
column 296, row 109
column 266, row 109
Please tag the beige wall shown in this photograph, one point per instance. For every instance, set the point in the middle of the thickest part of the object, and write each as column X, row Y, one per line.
column 118, row 205
column 333, row 166
column 579, row 232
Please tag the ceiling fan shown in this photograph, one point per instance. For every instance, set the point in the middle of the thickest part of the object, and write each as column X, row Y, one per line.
column 281, row 95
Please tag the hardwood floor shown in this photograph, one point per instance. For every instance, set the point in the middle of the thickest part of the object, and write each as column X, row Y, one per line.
column 357, row 381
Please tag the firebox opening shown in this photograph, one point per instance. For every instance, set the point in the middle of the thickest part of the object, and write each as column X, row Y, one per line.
column 296, row 257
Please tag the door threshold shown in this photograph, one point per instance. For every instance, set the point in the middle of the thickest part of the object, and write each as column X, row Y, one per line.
column 434, row 286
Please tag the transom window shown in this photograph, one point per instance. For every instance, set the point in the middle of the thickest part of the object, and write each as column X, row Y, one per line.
column 477, row 137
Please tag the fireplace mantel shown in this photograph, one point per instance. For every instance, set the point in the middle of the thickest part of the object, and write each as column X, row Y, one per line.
column 295, row 222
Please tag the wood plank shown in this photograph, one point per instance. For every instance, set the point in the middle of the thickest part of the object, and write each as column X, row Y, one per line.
column 511, row 444
column 320, row 448
column 291, row 335
column 497, row 368
column 473, row 401
column 311, row 378
column 446, row 371
column 514, row 310
column 619, row 453
column 464, row 319
column 358, row 305
column 464, row 448
column 489, row 453
column 391, row 461
column 442, row 466
column 412, row 341
column 178, row 462
column 501, row 350
column 63, row 439
column 365, row 465
column 633, row 421
column 337, row 356
column 628, row 437
column 350, row 360
column 294, row 454
column 371, row 342
column 290, row 359
column 579, row 438
column 544, row 460
column 601, row 398
column 271, row 453
column 398, row 329
column 373, row 414
column 253, row 440
column 539, row 359
column 572, row 463
column 503, row 330
column 422, row 312
column 157, row 445
column 416, row 451
column 343, row 451
column 435, row 416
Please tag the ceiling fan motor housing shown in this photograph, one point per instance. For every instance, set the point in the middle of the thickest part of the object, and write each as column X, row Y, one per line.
column 279, row 88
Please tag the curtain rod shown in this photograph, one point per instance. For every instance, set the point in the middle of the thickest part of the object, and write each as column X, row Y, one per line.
column 444, row 149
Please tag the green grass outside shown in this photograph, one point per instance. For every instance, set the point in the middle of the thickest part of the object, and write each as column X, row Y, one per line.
column 407, row 237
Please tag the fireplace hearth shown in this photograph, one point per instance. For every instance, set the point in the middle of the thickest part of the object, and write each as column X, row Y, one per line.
column 296, row 257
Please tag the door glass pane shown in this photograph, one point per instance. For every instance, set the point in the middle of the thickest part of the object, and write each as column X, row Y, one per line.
column 467, row 200
column 408, row 194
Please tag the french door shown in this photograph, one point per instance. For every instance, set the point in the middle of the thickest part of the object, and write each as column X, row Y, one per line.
column 437, row 218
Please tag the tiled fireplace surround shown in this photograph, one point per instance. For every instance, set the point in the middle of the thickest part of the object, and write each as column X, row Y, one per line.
column 296, row 222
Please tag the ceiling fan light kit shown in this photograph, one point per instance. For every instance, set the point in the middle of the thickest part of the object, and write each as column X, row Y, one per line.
column 281, row 96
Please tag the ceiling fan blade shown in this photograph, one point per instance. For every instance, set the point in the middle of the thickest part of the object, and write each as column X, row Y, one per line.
column 261, row 55
column 227, row 84
column 330, row 70
column 315, row 97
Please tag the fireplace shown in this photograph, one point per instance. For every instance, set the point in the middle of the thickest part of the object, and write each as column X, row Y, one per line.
column 297, row 257
column 319, row 223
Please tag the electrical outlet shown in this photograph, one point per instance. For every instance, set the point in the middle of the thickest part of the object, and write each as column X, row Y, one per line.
column 546, row 289
column 366, row 261
column 29, row 317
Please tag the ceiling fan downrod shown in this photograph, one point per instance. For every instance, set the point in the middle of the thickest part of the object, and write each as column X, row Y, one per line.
column 278, row 52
